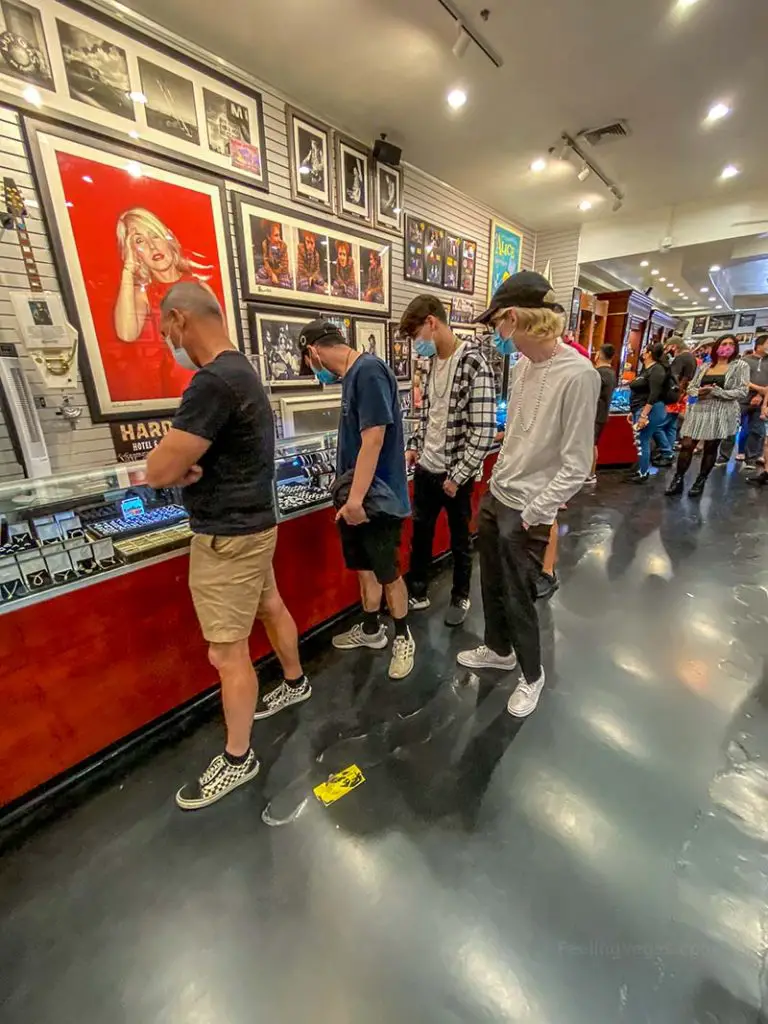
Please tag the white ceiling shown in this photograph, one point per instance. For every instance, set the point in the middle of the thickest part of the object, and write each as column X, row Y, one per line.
column 741, row 282
column 374, row 66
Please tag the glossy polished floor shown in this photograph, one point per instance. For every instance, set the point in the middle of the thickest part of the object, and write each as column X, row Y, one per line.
column 604, row 861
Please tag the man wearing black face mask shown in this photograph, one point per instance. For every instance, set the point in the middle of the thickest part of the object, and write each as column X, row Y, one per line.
column 220, row 449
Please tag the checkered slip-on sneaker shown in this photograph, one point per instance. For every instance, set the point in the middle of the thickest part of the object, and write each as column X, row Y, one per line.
column 218, row 779
column 282, row 696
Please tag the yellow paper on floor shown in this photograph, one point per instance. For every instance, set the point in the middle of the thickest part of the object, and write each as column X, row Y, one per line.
column 338, row 785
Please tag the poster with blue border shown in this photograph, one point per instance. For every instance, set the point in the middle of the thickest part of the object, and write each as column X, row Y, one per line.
column 505, row 251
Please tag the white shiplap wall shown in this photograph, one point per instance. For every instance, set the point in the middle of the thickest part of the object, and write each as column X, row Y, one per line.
column 89, row 445
column 562, row 248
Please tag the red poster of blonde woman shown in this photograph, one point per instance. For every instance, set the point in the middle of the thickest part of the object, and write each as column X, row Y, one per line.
column 134, row 235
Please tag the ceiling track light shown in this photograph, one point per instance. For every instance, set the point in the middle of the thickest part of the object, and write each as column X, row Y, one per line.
column 461, row 45
column 583, row 173
column 569, row 145
column 465, row 29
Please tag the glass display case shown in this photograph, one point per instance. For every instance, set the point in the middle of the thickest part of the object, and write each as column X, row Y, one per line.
column 305, row 468
column 61, row 530
column 620, row 400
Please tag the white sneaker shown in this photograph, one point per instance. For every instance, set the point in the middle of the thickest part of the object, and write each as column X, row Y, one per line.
column 403, row 650
column 418, row 604
column 484, row 657
column 357, row 638
column 525, row 698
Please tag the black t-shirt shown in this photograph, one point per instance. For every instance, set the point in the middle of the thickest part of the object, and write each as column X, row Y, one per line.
column 648, row 386
column 684, row 366
column 226, row 404
column 607, row 387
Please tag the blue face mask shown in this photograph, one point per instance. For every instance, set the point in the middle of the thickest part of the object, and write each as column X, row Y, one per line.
column 327, row 376
column 425, row 349
column 504, row 345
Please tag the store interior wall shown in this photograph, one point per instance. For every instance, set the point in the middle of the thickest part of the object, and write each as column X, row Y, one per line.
column 89, row 445
column 559, row 248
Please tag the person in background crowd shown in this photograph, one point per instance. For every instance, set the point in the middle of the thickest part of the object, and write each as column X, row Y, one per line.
column 570, row 339
column 371, row 490
column 713, row 411
column 454, row 434
column 752, row 426
column 761, row 478
column 545, row 458
column 647, row 405
column 682, row 366
column 220, row 449
column 604, row 366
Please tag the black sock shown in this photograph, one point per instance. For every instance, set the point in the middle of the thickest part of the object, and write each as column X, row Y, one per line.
column 370, row 622
column 401, row 626
column 296, row 683
column 236, row 759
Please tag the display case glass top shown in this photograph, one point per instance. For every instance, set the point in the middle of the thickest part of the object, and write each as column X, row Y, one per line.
column 305, row 468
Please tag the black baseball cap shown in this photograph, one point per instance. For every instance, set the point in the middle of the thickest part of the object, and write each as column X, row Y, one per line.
column 317, row 331
column 526, row 290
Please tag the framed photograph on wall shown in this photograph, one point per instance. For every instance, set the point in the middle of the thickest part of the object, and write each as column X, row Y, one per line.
column 506, row 246
column 289, row 257
column 452, row 262
column 345, row 324
column 414, row 264
column 462, row 311
column 747, row 319
column 722, row 322
column 399, row 353
column 388, row 192
column 434, row 252
column 309, row 152
column 353, row 180
column 466, row 334
column 123, row 233
column 371, row 337
column 275, row 335
column 178, row 108
column 699, row 324
column 468, row 266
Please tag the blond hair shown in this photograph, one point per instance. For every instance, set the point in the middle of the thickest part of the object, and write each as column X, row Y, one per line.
column 539, row 323
column 150, row 222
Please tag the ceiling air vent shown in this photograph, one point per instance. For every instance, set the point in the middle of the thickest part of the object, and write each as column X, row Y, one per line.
column 607, row 133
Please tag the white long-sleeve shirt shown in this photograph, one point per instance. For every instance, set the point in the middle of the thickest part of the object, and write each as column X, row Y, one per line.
column 541, row 468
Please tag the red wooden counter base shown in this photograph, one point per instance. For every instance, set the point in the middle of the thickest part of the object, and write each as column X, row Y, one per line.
column 617, row 442
column 84, row 670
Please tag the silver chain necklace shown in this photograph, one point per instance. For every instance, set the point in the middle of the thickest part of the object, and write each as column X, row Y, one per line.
column 448, row 376
column 542, row 385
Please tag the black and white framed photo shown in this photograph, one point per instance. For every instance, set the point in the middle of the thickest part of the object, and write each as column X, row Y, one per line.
column 309, row 150
column 699, row 325
column 467, row 334
column 23, row 47
column 722, row 322
column 96, row 70
column 434, row 255
column 414, row 264
column 747, row 319
column 462, row 311
column 353, row 181
column 452, row 263
column 170, row 102
column 388, row 212
column 400, row 357
column 275, row 333
column 225, row 120
column 371, row 336
column 290, row 257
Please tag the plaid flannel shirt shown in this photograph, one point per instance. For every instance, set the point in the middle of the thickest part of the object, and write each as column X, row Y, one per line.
column 471, row 424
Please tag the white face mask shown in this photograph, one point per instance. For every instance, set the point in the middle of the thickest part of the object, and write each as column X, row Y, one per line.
column 181, row 356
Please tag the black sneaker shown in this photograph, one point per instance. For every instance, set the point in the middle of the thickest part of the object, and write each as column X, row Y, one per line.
column 281, row 696
column 457, row 611
column 546, row 585
column 218, row 779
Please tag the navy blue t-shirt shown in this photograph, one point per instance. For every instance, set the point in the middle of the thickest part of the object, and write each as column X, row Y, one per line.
column 369, row 398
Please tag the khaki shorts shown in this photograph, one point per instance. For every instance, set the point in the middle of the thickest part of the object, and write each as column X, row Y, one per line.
column 229, row 578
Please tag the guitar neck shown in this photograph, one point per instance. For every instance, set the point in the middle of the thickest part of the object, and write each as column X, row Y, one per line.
column 14, row 204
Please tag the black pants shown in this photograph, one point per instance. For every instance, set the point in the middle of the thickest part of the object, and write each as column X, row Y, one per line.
column 510, row 561
column 428, row 499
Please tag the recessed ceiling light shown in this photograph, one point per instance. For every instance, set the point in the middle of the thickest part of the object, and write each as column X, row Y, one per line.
column 643, row 263
column 662, row 279
column 137, row 97
column 718, row 111
column 32, row 95
column 676, row 291
column 714, row 268
column 654, row 272
column 712, row 298
column 729, row 172
column 538, row 165
column 718, row 306
column 456, row 98
column 585, row 205
column 704, row 290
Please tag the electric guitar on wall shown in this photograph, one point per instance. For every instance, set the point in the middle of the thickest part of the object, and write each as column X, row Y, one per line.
column 15, row 214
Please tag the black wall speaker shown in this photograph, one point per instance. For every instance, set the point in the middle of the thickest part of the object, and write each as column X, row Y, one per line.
column 386, row 153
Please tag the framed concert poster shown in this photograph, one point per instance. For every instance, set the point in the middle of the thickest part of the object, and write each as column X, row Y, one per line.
column 452, row 258
column 309, row 152
column 462, row 311
column 505, row 252
column 434, row 252
column 124, row 232
column 353, row 181
column 723, row 322
column 468, row 266
column 388, row 203
column 99, row 69
column 371, row 337
column 399, row 353
column 414, row 263
column 289, row 257
column 275, row 335
column 699, row 325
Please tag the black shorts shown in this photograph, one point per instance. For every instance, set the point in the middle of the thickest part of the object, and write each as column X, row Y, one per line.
column 373, row 547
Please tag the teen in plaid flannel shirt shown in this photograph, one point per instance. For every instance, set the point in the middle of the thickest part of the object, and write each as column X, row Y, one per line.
column 454, row 434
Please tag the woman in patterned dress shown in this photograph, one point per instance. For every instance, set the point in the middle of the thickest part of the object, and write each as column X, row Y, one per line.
column 713, row 412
